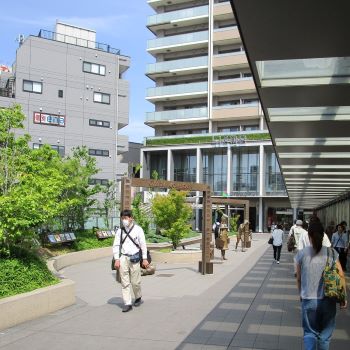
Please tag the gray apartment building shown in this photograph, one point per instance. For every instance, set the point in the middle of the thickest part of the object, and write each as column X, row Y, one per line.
column 209, row 125
column 73, row 93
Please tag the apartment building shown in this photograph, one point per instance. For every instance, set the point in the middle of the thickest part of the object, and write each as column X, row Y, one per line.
column 72, row 91
column 209, row 126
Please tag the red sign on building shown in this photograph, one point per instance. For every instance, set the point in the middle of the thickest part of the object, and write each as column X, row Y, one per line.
column 49, row 119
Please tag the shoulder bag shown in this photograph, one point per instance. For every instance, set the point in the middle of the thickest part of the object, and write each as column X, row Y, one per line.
column 291, row 242
column 333, row 284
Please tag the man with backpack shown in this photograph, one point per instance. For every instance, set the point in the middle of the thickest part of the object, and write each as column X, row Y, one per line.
column 129, row 248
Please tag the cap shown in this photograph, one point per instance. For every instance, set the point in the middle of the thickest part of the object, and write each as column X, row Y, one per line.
column 299, row 223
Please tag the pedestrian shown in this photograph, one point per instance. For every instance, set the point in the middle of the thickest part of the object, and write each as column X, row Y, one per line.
column 330, row 229
column 244, row 235
column 129, row 244
column 340, row 243
column 221, row 236
column 318, row 311
column 277, row 236
column 298, row 232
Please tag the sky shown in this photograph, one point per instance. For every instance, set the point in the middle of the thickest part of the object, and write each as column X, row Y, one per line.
column 119, row 23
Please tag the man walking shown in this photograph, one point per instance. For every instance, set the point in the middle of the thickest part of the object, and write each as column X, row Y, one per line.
column 129, row 244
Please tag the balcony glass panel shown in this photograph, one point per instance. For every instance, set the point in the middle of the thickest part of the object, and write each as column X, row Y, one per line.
column 177, row 89
column 177, row 15
column 177, row 39
column 177, row 114
column 167, row 66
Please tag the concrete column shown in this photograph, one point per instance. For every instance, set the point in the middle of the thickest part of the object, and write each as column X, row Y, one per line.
column 170, row 165
column 199, row 179
column 261, row 214
column 229, row 170
column 261, row 171
column 295, row 213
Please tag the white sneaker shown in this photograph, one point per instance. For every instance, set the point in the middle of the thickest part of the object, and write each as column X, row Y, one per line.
column 278, row 262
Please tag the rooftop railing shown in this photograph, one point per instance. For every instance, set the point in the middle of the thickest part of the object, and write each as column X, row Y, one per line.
column 46, row 34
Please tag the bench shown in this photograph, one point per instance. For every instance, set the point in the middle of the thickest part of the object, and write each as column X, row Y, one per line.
column 60, row 238
column 105, row 234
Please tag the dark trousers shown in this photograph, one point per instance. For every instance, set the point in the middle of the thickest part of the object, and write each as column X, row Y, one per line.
column 342, row 257
column 277, row 252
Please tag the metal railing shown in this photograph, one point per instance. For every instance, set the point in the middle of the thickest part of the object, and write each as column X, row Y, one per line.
column 177, row 114
column 46, row 34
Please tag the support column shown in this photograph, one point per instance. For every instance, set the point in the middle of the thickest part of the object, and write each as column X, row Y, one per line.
column 261, row 214
column 229, row 170
column 295, row 213
column 199, row 179
column 170, row 166
column 261, row 171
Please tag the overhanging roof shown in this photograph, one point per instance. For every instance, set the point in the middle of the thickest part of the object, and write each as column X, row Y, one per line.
column 299, row 54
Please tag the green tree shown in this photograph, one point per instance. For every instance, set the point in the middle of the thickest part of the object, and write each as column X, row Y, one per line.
column 78, row 194
column 140, row 215
column 234, row 223
column 110, row 202
column 172, row 214
column 31, row 182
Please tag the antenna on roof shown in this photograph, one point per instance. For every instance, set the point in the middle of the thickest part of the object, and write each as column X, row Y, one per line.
column 20, row 39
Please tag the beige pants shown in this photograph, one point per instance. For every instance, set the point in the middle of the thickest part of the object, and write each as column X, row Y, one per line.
column 130, row 275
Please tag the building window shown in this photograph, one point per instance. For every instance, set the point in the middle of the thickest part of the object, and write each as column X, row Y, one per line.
column 60, row 93
column 98, row 152
column 102, row 182
column 228, row 103
column 100, row 123
column 33, row 86
column 250, row 127
column 229, row 129
column 100, row 97
column 94, row 68
column 59, row 149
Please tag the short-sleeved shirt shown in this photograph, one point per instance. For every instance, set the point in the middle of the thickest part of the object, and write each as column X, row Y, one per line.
column 312, row 267
column 277, row 235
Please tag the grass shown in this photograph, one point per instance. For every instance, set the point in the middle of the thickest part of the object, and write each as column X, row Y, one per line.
column 23, row 272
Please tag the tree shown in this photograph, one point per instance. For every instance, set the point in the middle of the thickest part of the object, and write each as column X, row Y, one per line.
column 234, row 222
column 139, row 214
column 31, row 182
column 110, row 201
column 172, row 214
column 78, row 194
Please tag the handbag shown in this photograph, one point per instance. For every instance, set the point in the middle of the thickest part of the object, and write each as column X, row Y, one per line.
column 333, row 284
column 270, row 241
column 219, row 243
column 291, row 243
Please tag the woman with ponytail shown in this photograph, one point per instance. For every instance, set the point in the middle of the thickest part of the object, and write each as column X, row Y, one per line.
column 318, row 311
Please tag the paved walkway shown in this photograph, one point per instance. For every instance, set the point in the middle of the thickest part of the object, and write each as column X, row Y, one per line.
column 249, row 303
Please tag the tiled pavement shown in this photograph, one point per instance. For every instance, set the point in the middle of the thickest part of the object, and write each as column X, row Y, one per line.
column 261, row 312
column 249, row 303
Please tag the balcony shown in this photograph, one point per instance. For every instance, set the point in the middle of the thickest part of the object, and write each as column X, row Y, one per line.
column 178, row 67
column 166, row 20
column 219, row 139
column 156, row 3
column 232, row 60
column 225, row 36
column 175, row 92
column 233, row 87
column 190, row 115
column 223, row 11
column 236, row 112
column 178, row 42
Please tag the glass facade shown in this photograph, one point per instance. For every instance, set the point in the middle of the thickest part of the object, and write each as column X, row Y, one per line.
column 185, row 165
column 273, row 178
column 158, row 163
column 215, row 169
column 245, row 171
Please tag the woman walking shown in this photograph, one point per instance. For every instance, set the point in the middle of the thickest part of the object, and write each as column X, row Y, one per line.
column 318, row 311
column 340, row 243
column 277, row 235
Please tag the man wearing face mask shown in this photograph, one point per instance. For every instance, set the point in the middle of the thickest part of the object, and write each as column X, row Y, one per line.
column 127, row 243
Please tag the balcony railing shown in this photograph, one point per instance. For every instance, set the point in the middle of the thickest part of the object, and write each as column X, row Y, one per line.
column 274, row 184
column 46, row 34
column 240, row 105
column 167, row 17
column 179, row 89
column 167, row 66
column 177, row 114
column 177, row 40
